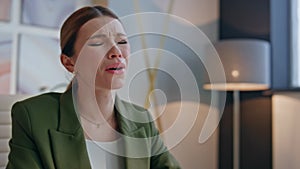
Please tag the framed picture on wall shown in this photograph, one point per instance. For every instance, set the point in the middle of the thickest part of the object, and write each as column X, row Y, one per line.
column 46, row 13
column 5, row 10
column 39, row 67
column 5, row 62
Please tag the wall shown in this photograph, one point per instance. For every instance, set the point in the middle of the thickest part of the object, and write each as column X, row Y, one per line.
column 286, row 137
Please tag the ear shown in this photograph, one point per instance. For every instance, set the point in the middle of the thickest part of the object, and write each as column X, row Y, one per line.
column 68, row 62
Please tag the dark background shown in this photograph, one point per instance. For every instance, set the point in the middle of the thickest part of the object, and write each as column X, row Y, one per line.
column 267, row 20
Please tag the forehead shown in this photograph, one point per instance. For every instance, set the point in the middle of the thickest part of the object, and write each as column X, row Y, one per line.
column 104, row 25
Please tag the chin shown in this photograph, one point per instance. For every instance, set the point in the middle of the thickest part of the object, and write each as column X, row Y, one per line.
column 116, row 85
column 111, row 86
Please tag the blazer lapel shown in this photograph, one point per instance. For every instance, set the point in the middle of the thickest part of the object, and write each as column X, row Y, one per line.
column 137, row 150
column 69, row 150
column 68, row 143
column 137, row 146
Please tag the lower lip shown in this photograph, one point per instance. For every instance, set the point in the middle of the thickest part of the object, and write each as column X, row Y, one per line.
column 117, row 72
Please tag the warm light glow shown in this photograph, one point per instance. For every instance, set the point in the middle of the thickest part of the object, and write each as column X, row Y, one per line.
column 236, row 86
column 235, row 73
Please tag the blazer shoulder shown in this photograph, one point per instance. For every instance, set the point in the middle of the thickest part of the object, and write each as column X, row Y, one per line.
column 45, row 99
column 37, row 108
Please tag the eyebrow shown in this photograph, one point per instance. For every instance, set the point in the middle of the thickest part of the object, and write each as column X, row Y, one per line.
column 104, row 35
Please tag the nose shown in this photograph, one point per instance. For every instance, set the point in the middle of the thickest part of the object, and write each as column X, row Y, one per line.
column 114, row 52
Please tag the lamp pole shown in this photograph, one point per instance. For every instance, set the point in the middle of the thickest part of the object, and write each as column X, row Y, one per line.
column 236, row 129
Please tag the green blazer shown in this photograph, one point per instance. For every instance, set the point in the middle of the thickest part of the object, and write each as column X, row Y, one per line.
column 46, row 133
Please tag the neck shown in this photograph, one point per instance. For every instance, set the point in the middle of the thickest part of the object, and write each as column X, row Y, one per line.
column 98, row 105
column 105, row 100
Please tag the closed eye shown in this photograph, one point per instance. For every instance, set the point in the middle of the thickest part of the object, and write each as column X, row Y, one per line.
column 96, row 44
column 122, row 42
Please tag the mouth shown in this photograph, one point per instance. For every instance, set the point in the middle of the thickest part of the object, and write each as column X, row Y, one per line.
column 116, row 68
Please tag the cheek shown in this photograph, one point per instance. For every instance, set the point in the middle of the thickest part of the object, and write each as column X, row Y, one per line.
column 126, row 52
column 89, row 60
column 95, row 55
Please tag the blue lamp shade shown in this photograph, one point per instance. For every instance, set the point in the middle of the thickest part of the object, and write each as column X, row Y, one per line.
column 246, row 64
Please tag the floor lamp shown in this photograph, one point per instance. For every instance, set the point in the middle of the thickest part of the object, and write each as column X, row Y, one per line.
column 246, row 64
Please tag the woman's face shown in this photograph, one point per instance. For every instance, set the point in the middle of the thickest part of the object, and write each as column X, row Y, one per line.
column 101, row 53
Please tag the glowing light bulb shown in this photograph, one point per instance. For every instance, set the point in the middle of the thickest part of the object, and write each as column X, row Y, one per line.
column 235, row 73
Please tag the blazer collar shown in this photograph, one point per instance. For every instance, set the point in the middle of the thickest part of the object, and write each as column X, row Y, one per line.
column 127, row 126
column 70, row 136
column 69, row 122
column 135, row 137
column 68, row 142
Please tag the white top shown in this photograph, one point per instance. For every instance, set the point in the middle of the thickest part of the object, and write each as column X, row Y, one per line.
column 101, row 157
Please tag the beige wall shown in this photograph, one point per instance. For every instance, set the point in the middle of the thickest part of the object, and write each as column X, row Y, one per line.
column 286, row 135
column 188, row 151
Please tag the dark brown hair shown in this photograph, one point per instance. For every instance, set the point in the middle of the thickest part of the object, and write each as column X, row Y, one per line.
column 73, row 23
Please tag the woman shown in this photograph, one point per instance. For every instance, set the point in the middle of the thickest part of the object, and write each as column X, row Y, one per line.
column 88, row 126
